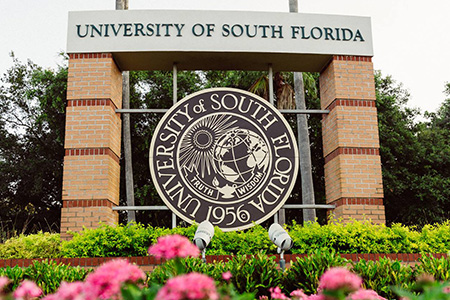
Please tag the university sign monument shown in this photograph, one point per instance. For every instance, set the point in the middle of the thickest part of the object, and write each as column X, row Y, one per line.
column 222, row 155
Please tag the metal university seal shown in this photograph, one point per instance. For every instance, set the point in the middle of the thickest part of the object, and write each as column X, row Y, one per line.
column 224, row 155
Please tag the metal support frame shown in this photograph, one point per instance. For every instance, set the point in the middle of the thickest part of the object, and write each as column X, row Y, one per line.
column 286, row 206
column 175, row 99
column 282, row 261
column 271, row 100
column 164, row 110
column 275, row 216
column 156, row 207
column 175, row 83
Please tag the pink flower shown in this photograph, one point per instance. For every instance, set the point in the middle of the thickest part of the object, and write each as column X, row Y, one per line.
column 298, row 294
column 4, row 281
column 276, row 293
column 192, row 286
column 51, row 297
column 264, row 297
column 172, row 246
column 27, row 290
column 227, row 275
column 447, row 290
column 106, row 281
column 71, row 291
column 363, row 294
column 316, row 297
column 340, row 278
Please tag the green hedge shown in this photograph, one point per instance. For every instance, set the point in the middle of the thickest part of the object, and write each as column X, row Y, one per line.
column 40, row 245
column 363, row 237
column 134, row 240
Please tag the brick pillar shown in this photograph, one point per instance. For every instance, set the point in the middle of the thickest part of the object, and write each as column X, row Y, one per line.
column 92, row 143
column 353, row 179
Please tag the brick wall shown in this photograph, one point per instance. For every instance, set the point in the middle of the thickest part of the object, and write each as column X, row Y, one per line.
column 347, row 77
column 75, row 218
column 91, row 173
column 94, row 76
column 353, row 179
column 92, row 124
column 350, row 123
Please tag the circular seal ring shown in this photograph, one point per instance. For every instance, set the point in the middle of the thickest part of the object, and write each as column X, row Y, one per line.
column 224, row 155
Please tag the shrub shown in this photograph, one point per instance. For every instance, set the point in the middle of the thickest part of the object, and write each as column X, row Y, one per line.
column 254, row 275
column 355, row 237
column 47, row 275
column 305, row 272
column 40, row 245
column 119, row 241
column 253, row 240
column 162, row 273
column 439, row 268
column 106, row 241
column 134, row 240
column 260, row 272
column 381, row 275
column 250, row 274
column 15, row 274
column 436, row 238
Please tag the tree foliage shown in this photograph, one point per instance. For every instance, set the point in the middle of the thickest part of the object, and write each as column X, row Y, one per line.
column 415, row 157
column 32, row 117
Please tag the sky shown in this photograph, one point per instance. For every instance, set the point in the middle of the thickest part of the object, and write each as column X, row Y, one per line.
column 411, row 37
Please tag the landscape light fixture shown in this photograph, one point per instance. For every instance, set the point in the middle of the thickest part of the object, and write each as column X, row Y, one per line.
column 203, row 236
column 282, row 240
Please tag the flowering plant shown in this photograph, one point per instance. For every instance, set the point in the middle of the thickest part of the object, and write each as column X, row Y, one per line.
column 335, row 284
column 105, row 283
column 27, row 290
column 191, row 286
column 426, row 288
column 174, row 247
column 118, row 279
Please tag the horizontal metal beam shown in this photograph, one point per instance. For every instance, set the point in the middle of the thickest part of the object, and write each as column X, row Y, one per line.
column 161, row 207
column 304, row 111
column 308, row 206
column 286, row 206
column 142, row 110
column 164, row 110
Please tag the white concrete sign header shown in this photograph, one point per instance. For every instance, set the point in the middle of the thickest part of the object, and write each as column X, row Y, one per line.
column 155, row 39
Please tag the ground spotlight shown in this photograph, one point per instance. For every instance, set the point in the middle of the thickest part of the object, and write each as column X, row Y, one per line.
column 282, row 240
column 203, row 236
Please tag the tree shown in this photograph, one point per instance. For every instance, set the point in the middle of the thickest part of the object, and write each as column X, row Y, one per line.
column 415, row 157
column 129, row 183
column 32, row 118
column 432, row 187
column 441, row 119
column 303, row 140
